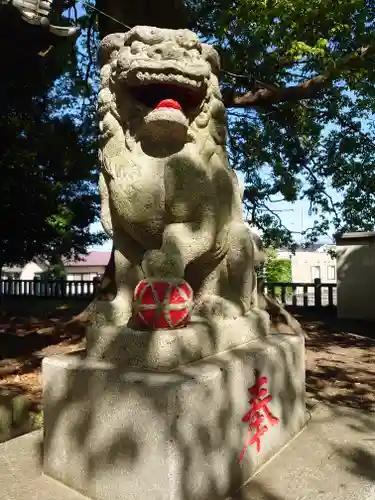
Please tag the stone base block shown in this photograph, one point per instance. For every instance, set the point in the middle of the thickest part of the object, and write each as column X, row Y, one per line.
column 14, row 415
column 116, row 434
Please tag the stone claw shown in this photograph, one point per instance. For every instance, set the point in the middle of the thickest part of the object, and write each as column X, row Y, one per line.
column 213, row 306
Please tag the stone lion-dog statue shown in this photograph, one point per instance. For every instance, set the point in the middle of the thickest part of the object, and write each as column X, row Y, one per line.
column 170, row 201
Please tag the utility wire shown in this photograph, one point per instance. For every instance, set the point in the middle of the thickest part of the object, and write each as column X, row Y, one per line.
column 105, row 14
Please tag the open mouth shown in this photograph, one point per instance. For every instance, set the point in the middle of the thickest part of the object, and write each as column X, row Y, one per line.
column 151, row 94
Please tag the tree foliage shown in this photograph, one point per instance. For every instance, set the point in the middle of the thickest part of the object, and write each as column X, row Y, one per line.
column 277, row 270
column 48, row 153
column 298, row 80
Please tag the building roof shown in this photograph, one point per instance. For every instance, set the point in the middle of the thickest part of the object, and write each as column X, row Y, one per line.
column 313, row 247
column 12, row 269
column 92, row 259
column 355, row 238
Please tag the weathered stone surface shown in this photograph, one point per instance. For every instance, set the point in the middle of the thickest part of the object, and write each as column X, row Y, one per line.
column 112, row 433
column 170, row 201
column 167, row 349
column 330, row 460
column 14, row 414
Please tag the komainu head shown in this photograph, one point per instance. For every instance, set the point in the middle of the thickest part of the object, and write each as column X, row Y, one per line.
column 160, row 84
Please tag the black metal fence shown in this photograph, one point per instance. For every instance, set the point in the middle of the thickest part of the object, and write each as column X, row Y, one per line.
column 58, row 288
column 315, row 294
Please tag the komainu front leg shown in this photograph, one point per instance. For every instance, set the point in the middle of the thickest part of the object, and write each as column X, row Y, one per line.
column 229, row 291
column 186, row 243
column 182, row 243
column 159, row 264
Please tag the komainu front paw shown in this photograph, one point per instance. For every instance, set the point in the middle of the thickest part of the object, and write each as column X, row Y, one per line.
column 213, row 306
column 157, row 264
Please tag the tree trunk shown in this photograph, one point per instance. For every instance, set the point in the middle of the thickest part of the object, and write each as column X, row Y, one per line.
column 1, row 292
column 159, row 13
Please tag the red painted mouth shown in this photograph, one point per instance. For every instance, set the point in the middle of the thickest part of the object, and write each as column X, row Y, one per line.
column 169, row 103
column 172, row 96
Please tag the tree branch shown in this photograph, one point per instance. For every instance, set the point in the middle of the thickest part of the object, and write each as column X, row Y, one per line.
column 277, row 216
column 266, row 97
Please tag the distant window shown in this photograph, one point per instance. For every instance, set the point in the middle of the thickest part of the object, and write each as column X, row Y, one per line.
column 315, row 272
column 82, row 276
column 331, row 273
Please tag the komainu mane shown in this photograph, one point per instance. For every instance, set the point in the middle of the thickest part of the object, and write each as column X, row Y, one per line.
column 170, row 201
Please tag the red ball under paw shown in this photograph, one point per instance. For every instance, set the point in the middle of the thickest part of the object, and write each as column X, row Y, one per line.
column 163, row 304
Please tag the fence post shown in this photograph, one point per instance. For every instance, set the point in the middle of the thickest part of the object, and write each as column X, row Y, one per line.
column 96, row 284
column 62, row 292
column 317, row 292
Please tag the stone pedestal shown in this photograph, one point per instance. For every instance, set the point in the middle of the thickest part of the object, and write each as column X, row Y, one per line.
column 164, row 350
column 114, row 433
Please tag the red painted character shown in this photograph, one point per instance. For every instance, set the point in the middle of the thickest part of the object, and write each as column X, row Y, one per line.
column 257, row 413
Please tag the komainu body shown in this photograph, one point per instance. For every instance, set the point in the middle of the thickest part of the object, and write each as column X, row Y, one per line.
column 170, row 201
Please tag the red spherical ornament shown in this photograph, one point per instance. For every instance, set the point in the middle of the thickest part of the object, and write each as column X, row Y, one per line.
column 163, row 304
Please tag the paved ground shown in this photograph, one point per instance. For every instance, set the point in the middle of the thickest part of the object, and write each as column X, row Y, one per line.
column 20, row 474
column 332, row 459
column 340, row 367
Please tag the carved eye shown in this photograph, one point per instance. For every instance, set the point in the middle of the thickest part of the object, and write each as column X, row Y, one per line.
column 136, row 47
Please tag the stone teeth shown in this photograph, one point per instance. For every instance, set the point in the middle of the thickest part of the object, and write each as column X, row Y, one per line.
column 162, row 77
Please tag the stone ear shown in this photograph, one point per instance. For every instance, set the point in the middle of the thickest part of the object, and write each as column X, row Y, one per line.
column 241, row 188
column 109, row 44
column 212, row 57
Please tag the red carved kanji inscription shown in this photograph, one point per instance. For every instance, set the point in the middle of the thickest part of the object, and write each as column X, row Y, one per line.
column 259, row 416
